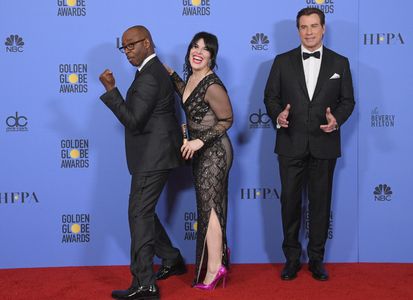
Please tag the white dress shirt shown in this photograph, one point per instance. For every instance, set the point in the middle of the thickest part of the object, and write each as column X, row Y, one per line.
column 311, row 69
column 146, row 60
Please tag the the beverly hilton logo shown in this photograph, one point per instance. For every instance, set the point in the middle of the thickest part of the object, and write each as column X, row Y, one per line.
column 14, row 43
column 71, row 8
column 74, row 153
column 190, row 226
column 382, row 192
column 326, row 6
column 73, row 78
column 259, row 42
column 196, row 7
column 75, row 228
column 381, row 120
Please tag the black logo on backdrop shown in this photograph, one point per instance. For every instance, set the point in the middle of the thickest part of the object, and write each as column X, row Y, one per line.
column 380, row 120
column 382, row 192
column 307, row 225
column 263, row 193
column 259, row 120
column 196, row 7
column 14, row 43
column 74, row 153
column 16, row 123
column 18, row 198
column 71, row 8
column 190, row 226
column 326, row 6
column 73, row 78
column 75, row 228
column 259, row 42
column 390, row 38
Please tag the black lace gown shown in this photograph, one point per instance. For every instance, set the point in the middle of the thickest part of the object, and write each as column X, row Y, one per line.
column 209, row 116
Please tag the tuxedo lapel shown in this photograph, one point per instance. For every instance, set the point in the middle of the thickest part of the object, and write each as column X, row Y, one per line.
column 137, row 73
column 146, row 66
column 325, row 71
column 299, row 70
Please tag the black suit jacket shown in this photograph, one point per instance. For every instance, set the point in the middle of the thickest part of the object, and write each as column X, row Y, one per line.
column 152, row 134
column 286, row 85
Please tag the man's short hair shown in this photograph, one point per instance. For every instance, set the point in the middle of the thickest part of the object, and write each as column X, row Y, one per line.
column 309, row 11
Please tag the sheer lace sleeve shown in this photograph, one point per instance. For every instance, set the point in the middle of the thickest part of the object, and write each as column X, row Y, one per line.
column 217, row 98
column 179, row 84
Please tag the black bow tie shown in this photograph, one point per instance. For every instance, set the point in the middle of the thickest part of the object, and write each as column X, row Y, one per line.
column 314, row 54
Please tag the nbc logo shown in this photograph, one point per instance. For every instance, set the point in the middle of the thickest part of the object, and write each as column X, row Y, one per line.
column 14, row 43
column 259, row 42
column 382, row 192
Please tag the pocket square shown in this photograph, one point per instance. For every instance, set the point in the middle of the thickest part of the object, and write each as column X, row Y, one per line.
column 335, row 76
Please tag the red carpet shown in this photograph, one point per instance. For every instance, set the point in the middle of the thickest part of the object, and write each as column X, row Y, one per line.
column 246, row 281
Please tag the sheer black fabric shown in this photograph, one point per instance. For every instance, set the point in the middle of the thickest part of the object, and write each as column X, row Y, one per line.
column 209, row 116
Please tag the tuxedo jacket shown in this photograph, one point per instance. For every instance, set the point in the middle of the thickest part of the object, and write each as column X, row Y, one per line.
column 153, row 137
column 334, row 89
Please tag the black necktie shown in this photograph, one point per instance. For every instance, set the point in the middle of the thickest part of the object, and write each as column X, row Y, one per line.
column 314, row 54
column 137, row 73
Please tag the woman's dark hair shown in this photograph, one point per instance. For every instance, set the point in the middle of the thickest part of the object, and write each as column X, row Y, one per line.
column 211, row 44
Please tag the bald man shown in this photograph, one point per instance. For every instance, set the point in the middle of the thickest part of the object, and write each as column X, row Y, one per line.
column 153, row 140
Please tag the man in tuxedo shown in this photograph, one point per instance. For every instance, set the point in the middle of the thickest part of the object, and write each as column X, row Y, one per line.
column 153, row 140
column 309, row 96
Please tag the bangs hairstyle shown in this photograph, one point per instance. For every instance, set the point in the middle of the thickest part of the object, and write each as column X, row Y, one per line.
column 309, row 11
column 211, row 44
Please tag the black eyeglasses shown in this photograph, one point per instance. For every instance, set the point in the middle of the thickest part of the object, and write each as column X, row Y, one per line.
column 130, row 46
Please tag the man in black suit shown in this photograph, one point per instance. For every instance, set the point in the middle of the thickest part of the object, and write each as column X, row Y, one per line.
column 153, row 140
column 309, row 96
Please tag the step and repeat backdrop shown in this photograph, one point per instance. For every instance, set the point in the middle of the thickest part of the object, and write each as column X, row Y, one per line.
column 64, row 183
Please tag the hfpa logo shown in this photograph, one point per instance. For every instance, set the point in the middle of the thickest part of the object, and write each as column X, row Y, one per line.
column 382, row 192
column 383, row 39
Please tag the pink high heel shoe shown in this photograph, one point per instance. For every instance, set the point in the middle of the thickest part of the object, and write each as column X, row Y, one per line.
column 222, row 274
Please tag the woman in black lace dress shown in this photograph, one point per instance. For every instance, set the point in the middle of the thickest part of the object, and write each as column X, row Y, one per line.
column 209, row 116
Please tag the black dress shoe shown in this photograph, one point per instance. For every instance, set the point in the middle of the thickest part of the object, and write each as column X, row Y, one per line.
column 318, row 270
column 140, row 292
column 290, row 270
column 167, row 271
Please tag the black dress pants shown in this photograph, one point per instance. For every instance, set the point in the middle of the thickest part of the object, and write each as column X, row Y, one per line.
column 148, row 237
column 318, row 174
